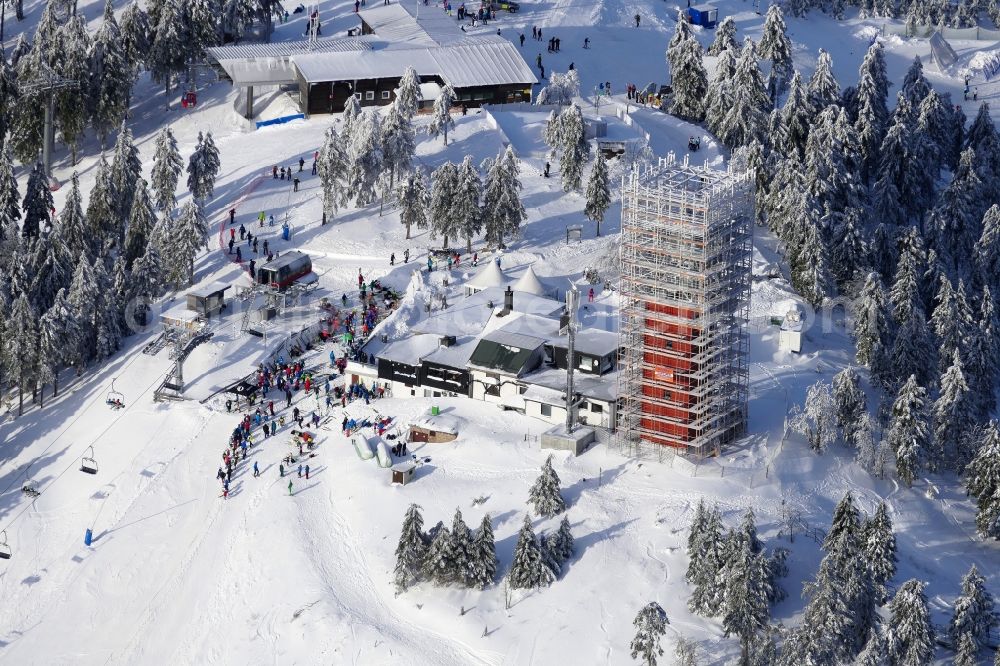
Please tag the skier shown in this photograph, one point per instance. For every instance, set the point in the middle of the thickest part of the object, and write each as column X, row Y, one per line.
column 239, row 256
column 295, row 184
column 255, row 245
column 586, row 42
column 302, row 163
column 590, row 295
column 266, row 250
column 406, row 256
column 281, row 469
column 534, row 32
column 261, row 218
column 392, row 259
column 282, row 173
column 314, row 168
column 253, row 265
column 307, row 472
column 557, row 43
column 274, row 172
column 232, row 216
column 231, row 243
column 289, row 487
column 522, row 39
column 637, row 20
column 538, row 60
column 243, row 232
column 547, row 167
column 256, row 470
column 300, row 464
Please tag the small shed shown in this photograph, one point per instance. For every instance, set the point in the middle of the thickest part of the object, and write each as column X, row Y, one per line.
column 208, row 300
column 402, row 473
column 790, row 335
column 704, row 15
column 434, row 429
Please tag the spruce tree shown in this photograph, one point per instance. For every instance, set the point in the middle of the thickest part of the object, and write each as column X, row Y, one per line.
column 503, row 212
column 110, row 76
column 37, row 204
column 573, row 148
column 650, row 625
column 466, row 208
column 187, row 239
column 71, row 102
column 910, row 632
column 166, row 171
column 775, row 46
column 528, row 569
column 982, row 481
column 20, row 347
column 545, row 494
column 950, row 323
column 444, row 193
column 955, row 220
column 168, row 52
column 408, row 95
column 463, row 553
column 823, row 89
column 485, row 555
column 873, row 115
column 49, row 268
column 879, row 550
column 101, row 209
column 414, row 201
column 10, row 208
column 8, row 98
column 333, row 167
column 908, row 434
column 441, row 120
column 850, row 401
column 72, row 225
column 202, row 168
column 745, row 119
column 952, row 417
column 141, row 221
column 816, row 419
column 725, row 37
column 83, row 296
column 967, row 653
column 796, row 116
column 745, row 609
column 410, row 551
column 973, row 615
column 598, row 192
column 398, row 143
column 109, row 310
column 439, row 563
column 986, row 252
column 136, row 36
column 364, row 156
column 719, row 97
column 915, row 86
column 126, row 170
column 983, row 357
column 705, row 561
column 687, row 71
column 56, row 329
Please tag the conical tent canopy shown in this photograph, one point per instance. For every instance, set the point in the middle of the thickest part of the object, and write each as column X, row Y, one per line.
column 489, row 276
column 529, row 283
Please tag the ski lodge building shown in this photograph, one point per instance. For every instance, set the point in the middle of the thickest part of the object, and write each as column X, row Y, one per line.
column 507, row 346
column 369, row 62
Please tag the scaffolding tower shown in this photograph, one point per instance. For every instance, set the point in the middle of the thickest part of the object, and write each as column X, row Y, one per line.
column 685, row 298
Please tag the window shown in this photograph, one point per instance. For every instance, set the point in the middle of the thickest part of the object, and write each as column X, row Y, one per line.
column 370, row 95
column 521, row 390
column 596, row 407
column 546, row 409
column 385, row 94
column 492, row 389
column 358, row 96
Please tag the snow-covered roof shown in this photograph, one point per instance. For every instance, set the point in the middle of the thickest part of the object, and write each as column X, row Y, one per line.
column 489, row 276
column 209, row 289
column 261, row 64
column 439, row 423
column 429, row 91
column 529, row 283
column 545, row 395
column 412, row 21
column 410, row 350
column 592, row 341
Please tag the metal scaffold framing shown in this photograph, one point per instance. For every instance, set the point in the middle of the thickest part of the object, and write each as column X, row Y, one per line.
column 685, row 288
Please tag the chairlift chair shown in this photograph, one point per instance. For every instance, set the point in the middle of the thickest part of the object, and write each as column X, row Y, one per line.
column 115, row 399
column 30, row 489
column 4, row 548
column 189, row 100
column 88, row 463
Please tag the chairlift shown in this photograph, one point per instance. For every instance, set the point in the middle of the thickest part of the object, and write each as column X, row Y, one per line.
column 189, row 100
column 30, row 488
column 115, row 399
column 88, row 463
column 4, row 548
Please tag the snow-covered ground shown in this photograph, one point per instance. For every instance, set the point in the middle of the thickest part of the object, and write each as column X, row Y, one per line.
column 176, row 574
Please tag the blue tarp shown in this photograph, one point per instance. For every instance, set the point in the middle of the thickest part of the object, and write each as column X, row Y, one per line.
column 279, row 121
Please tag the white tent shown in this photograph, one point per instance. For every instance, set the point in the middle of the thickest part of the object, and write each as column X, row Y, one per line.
column 529, row 283
column 489, row 276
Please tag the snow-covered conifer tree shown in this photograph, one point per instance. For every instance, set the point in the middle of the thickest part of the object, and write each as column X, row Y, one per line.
column 186, row 240
column 364, row 156
column 444, row 192
column 441, row 120
column 20, row 347
column 352, row 109
column 200, row 29
column 110, row 76
column 879, row 550
column 688, row 76
column 56, row 329
column 10, row 207
column 719, row 97
column 982, row 481
column 72, row 224
column 136, row 36
column 745, row 610
column 952, row 323
column 983, row 357
column 725, row 37
column 408, row 95
column 411, row 550
column 37, row 204
column 863, row 440
column 705, row 561
column 168, row 54
column 101, row 209
column 561, row 90
column 8, row 97
column 503, row 212
column 910, row 632
column 126, row 170
column 849, row 400
column 574, row 148
column 955, row 220
column 973, row 615
column 398, row 143
column 439, row 563
column 908, row 433
column 986, row 252
column 528, row 569
column 746, row 117
column 796, row 115
column 414, row 201
column 83, row 295
column 485, row 554
column 71, row 102
column 823, row 89
column 334, row 170
column 141, row 221
column 462, row 550
column 952, row 417
column 915, row 86
column 810, row 267
column 202, row 168
column 467, row 212
column 599, row 193
column 650, row 625
column 545, row 495
column 166, row 171
column 775, row 46
column 873, row 116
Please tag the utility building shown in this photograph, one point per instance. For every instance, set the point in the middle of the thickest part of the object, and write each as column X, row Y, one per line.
column 685, row 294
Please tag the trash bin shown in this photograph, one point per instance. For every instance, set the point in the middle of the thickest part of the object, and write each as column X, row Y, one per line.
column 88, row 536
column 435, row 410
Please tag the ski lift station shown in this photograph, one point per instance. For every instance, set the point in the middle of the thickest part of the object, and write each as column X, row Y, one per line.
column 327, row 71
column 707, row 16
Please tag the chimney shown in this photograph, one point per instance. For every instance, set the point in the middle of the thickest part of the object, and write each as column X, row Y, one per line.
column 508, row 303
